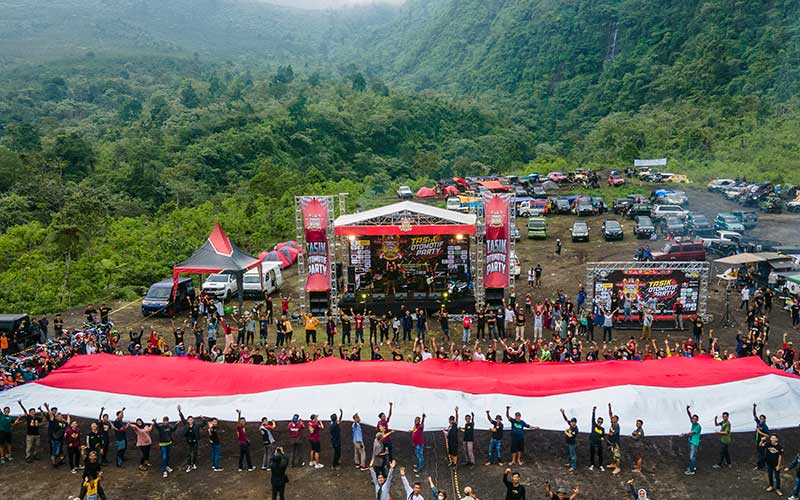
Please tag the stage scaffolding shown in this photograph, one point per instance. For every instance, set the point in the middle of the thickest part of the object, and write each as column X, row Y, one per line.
column 332, row 249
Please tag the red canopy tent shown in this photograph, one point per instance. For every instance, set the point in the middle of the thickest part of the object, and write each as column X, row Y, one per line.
column 451, row 190
column 218, row 254
column 426, row 192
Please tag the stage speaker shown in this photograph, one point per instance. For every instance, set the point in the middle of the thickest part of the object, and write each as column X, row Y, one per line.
column 379, row 296
column 420, row 295
column 495, row 296
column 319, row 303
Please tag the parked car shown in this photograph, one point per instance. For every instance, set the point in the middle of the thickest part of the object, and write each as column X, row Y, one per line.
column 584, row 207
column 674, row 226
column 681, row 250
column 221, row 285
column 723, row 235
column 643, row 208
column 748, row 218
column 162, row 299
column 562, row 206
column 268, row 282
column 643, row 226
column 674, row 178
column 580, row 231
column 793, row 206
column 675, row 198
column 620, row 205
column 404, row 193
column 19, row 330
column 599, row 204
column 718, row 185
column 661, row 211
column 615, row 179
column 532, row 208
column 514, row 230
column 612, row 230
column 516, row 268
column 729, row 222
column 537, row 228
column 453, row 203
column 557, row 177
column 698, row 224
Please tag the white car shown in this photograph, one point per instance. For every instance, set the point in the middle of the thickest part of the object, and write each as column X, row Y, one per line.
column 661, row 211
column 514, row 262
column 269, row 282
column 676, row 198
column 404, row 193
column 221, row 285
column 453, row 203
column 718, row 185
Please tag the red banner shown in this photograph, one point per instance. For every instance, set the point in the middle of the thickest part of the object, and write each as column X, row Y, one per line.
column 497, row 208
column 315, row 224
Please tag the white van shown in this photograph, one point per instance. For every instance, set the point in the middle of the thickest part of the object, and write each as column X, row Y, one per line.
column 271, row 280
column 453, row 203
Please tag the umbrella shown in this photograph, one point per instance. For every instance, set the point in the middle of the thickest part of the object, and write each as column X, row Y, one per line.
column 426, row 192
column 290, row 243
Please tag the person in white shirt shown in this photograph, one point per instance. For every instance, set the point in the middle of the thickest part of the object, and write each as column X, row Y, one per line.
column 745, row 299
column 413, row 492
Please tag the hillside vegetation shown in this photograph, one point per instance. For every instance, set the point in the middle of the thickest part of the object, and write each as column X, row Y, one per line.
column 128, row 126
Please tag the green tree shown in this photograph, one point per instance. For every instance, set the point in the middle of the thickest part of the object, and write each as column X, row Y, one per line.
column 188, row 96
column 359, row 82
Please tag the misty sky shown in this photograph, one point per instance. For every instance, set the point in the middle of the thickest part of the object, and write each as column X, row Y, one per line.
column 326, row 4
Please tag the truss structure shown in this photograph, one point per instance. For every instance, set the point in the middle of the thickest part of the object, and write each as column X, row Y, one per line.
column 331, row 238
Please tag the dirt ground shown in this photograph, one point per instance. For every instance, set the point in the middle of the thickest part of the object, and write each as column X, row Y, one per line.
column 666, row 458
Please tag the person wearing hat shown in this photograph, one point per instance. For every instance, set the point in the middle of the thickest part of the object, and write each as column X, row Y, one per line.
column 561, row 493
column 641, row 494
column 571, row 436
column 314, row 430
column 295, row 427
column 469, row 494
column 518, row 427
column 496, row 441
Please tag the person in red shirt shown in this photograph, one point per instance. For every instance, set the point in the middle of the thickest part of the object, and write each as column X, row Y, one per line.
column 465, row 338
column 296, row 427
column 72, row 436
column 314, row 428
column 383, row 426
column 244, row 444
column 285, row 305
column 418, row 441
column 358, row 318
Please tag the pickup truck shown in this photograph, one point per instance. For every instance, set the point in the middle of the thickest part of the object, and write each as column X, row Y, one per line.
column 722, row 235
column 221, row 285
column 681, row 251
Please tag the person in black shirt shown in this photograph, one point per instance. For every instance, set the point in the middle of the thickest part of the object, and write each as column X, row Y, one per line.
column 56, row 426
column 773, row 458
column 336, row 438
column 278, row 478
column 514, row 490
column 191, row 430
column 613, row 429
column 32, row 439
column 560, row 494
column 452, row 439
column 216, row 448
column 469, row 438
column 596, row 438
column 105, row 311
column 58, row 325
column 89, row 313
column 105, row 435
column 496, row 441
column 571, row 436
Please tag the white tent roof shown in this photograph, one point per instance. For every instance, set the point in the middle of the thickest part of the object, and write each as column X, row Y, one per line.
column 405, row 208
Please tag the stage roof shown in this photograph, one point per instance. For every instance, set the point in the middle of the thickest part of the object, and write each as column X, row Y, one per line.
column 406, row 217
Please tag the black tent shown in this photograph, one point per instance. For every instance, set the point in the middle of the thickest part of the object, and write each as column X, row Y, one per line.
column 218, row 254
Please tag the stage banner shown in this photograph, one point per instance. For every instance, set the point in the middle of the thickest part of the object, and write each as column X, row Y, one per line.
column 660, row 289
column 315, row 224
column 497, row 208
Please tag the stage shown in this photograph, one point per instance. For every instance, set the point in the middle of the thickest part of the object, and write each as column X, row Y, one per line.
column 380, row 304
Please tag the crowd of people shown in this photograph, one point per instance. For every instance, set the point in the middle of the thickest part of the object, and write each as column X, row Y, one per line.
column 551, row 329
column 89, row 448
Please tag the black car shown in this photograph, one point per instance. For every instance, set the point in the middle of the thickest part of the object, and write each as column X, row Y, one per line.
column 639, row 209
column 621, row 205
column 612, row 230
column 562, row 206
column 699, row 224
column 674, row 226
column 19, row 330
column 643, row 227
column 584, row 207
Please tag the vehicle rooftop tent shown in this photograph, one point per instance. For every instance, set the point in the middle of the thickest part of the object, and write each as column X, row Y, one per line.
column 218, row 254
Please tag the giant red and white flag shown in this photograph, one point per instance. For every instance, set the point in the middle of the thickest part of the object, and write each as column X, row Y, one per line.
column 654, row 391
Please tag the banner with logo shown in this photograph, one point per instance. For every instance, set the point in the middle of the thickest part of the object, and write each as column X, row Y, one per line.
column 497, row 208
column 315, row 224
column 657, row 289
